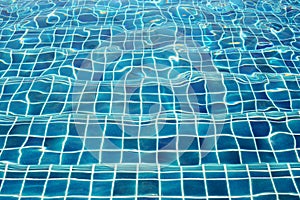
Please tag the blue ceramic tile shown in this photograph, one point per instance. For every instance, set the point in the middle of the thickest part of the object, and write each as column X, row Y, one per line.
column 217, row 187
column 101, row 188
column 124, row 188
column 171, row 188
column 194, row 188
column 149, row 99
column 148, row 188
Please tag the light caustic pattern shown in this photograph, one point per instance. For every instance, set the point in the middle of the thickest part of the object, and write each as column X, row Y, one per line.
column 184, row 96
column 149, row 73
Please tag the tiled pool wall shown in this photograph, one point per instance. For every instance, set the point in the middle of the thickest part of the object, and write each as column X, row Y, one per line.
column 149, row 99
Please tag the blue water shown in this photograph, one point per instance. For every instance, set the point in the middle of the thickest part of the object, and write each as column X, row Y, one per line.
column 149, row 99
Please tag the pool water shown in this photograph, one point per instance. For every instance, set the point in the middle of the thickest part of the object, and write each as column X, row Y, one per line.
column 130, row 99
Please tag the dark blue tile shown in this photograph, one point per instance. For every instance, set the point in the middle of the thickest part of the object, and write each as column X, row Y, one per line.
column 171, row 188
column 194, row 188
column 56, row 187
column 148, row 188
column 124, row 188
column 217, row 187
column 33, row 187
column 262, row 186
column 79, row 188
column 239, row 187
column 11, row 187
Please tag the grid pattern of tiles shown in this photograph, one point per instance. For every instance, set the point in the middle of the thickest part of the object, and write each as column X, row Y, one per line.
column 86, row 139
column 204, row 93
column 265, row 181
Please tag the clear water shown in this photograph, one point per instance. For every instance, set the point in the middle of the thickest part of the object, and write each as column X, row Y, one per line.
column 149, row 99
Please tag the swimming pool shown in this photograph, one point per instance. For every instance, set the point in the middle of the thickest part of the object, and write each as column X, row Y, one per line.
column 127, row 99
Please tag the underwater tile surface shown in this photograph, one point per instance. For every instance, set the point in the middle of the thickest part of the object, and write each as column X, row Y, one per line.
column 257, row 181
column 131, row 99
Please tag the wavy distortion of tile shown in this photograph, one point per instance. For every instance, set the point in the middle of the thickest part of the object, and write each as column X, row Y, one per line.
column 149, row 99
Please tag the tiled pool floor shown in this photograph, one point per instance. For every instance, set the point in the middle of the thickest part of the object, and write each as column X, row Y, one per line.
column 127, row 99
column 257, row 181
